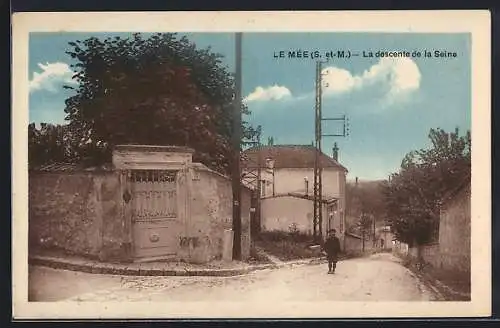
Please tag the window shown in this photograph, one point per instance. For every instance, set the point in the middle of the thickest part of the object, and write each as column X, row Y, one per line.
column 262, row 188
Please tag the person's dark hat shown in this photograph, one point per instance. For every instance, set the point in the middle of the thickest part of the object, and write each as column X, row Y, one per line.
column 332, row 231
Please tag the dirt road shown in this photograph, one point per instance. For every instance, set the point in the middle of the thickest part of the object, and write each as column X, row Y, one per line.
column 377, row 278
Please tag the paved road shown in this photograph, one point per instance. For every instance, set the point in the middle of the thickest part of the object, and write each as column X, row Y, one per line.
column 376, row 278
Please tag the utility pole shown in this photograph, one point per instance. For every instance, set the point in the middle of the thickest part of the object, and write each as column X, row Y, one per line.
column 317, row 209
column 236, row 170
column 318, row 170
column 251, row 176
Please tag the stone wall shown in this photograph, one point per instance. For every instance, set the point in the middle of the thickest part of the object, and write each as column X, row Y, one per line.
column 455, row 233
column 76, row 212
column 84, row 213
column 210, row 213
column 429, row 253
column 452, row 252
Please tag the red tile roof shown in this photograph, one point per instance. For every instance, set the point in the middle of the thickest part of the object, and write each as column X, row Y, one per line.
column 287, row 156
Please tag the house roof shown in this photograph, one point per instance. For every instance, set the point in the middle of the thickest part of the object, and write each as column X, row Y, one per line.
column 287, row 156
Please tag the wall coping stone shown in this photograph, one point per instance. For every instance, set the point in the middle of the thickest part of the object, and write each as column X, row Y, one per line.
column 154, row 148
column 202, row 167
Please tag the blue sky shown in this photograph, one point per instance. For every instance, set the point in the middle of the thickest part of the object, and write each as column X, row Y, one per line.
column 391, row 103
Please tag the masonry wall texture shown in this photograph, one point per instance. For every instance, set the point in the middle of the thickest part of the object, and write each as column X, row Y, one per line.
column 84, row 213
column 455, row 233
column 67, row 211
column 81, row 213
column 453, row 252
column 114, row 234
column 211, row 213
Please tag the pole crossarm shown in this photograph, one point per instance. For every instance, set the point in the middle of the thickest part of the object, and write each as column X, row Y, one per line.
column 333, row 135
column 334, row 119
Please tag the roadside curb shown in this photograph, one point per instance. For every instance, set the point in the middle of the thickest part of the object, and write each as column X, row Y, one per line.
column 442, row 291
column 149, row 269
column 426, row 285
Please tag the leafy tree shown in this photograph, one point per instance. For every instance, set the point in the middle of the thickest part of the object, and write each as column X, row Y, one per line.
column 414, row 194
column 365, row 198
column 51, row 143
column 158, row 90
column 365, row 225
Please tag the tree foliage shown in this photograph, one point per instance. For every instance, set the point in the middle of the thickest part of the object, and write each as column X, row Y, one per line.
column 414, row 194
column 365, row 198
column 47, row 144
column 365, row 223
column 158, row 90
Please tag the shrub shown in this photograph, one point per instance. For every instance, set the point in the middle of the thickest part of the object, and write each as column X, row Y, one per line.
column 286, row 245
column 275, row 235
column 278, row 235
column 258, row 256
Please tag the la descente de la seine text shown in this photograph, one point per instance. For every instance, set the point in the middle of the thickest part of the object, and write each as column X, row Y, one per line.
column 330, row 54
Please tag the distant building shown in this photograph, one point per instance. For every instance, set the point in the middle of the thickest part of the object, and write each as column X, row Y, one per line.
column 286, row 187
column 384, row 237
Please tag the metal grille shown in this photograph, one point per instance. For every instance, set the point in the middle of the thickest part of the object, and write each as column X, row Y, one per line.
column 154, row 194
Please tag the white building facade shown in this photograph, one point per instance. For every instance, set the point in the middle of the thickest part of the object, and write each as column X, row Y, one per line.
column 286, row 187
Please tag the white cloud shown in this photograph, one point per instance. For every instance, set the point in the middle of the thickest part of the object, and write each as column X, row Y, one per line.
column 51, row 77
column 399, row 75
column 274, row 92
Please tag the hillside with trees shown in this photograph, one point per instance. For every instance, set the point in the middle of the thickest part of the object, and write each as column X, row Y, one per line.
column 365, row 202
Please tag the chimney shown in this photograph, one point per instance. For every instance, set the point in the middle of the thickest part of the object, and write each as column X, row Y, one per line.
column 335, row 152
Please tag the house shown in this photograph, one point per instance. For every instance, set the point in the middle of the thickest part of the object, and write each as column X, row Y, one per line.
column 384, row 237
column 286, row 177
column 152, row 203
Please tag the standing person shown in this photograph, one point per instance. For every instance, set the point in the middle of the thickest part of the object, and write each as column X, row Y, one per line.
column 332, row 249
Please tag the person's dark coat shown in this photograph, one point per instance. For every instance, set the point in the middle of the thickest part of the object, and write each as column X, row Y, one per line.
column 332, row 246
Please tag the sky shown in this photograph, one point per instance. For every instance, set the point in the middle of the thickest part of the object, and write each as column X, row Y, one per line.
column 391, row 103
